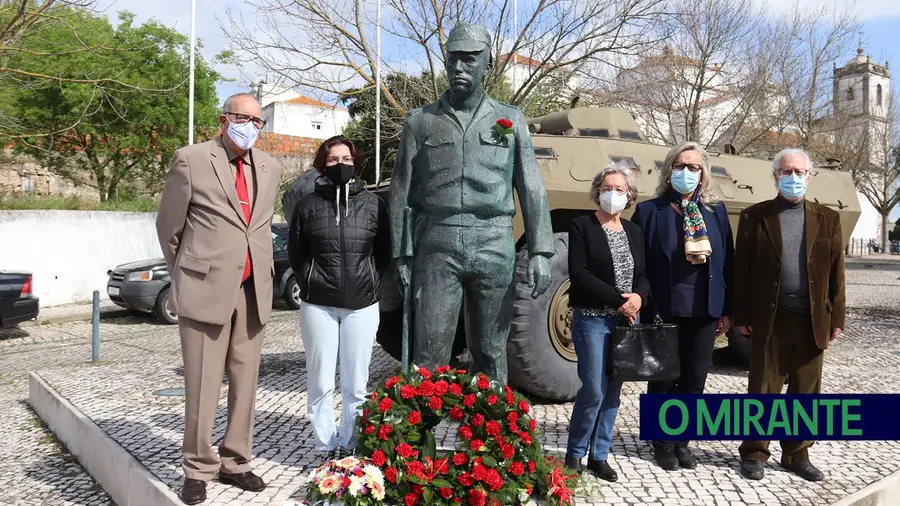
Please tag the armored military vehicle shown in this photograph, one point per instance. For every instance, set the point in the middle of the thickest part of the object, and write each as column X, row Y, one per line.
column 571, row 147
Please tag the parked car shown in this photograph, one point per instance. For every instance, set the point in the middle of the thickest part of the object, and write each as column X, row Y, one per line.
column 144, row 285
column 895, row 247
column 17, row 302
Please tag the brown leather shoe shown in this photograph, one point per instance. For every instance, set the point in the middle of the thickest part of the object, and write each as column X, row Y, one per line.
column 244, row 481
column 193, row 491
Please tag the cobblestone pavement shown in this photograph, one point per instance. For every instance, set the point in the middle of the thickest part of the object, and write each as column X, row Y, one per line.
column 139, row 356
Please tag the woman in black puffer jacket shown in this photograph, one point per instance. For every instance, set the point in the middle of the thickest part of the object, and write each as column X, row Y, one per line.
column 339, row 248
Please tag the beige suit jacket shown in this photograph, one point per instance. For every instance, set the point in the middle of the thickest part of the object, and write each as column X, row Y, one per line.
column 204, row 237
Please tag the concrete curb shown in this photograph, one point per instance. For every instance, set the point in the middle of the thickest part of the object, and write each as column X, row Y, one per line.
column 74, row 317
column 122, row 476
column 884, row 492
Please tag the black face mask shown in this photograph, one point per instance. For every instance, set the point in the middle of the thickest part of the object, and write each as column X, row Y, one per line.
column 340, row 174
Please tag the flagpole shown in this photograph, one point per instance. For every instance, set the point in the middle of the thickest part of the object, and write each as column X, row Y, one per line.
column 378, row 98
column 191, row 92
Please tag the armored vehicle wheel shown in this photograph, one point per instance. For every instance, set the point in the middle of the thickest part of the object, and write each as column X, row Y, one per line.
column 541, row 355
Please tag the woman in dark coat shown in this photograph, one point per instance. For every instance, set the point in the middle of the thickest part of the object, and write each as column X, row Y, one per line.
column 690, row 255
column 339, row 248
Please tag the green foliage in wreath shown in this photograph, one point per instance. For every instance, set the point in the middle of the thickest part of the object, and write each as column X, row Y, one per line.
column 499, row 460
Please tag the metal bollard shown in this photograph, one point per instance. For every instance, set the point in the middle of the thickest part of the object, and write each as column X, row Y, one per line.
column 95, row 333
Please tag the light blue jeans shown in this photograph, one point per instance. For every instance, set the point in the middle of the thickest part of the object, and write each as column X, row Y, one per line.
column 329, row 334
column 597, row 401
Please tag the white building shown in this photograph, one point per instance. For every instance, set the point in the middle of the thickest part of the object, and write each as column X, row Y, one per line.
column 288, row 112
column 519, row 69
column 861, row 94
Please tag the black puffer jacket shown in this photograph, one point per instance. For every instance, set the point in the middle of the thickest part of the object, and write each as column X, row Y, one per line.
column 339, row 259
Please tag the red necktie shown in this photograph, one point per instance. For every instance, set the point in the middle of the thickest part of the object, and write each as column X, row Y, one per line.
column 240, row 184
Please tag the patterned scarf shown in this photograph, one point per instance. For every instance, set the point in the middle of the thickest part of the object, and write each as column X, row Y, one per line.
column 696, row 241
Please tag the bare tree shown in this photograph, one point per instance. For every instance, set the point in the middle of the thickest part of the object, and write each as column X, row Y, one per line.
column 329, row 45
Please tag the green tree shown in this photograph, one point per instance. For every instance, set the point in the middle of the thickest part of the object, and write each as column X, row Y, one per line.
column 123, row 119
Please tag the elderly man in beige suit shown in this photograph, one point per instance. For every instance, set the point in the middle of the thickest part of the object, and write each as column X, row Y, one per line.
column 214, row 227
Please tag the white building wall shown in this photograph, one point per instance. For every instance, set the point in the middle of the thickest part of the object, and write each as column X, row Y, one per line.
column 869, row 224
column 69, row 252
column 304, row 120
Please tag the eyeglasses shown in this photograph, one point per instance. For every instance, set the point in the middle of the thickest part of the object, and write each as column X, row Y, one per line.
column 693, row 167
column 793, row 170
column 333, row 160
column 243, row 118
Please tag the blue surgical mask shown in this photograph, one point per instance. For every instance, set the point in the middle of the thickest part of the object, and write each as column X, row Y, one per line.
column 792, row 187
column 243, row 134
column 685, row 181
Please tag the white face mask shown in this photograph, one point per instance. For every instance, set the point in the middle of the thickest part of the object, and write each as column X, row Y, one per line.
column 243, row 134
column 613, row 202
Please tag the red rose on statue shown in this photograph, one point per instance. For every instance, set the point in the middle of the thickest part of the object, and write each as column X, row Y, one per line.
column 505, row 123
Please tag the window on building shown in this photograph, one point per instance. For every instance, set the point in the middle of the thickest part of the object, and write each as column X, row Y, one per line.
column 27, row 185
column 878, row 96
column 317, row 125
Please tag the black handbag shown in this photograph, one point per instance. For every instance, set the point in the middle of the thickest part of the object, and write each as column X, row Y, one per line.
column 645, row 352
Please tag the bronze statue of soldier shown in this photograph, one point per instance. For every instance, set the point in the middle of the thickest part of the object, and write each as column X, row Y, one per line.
column 451, row 207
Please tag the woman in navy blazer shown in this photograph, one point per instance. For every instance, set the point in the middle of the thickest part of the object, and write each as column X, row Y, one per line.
column 689, row 254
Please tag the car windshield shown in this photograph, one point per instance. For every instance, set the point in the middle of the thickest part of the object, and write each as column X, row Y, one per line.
column 279, row 240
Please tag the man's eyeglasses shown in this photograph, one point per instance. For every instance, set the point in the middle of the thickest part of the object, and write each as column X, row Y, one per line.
column 333, row 160
column 693, row 167
column 793, row 170
column 243, row 118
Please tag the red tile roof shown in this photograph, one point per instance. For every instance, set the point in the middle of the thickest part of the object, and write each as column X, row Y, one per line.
column 303, row 100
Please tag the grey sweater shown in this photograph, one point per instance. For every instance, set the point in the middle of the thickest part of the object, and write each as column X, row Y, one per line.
column 794, row 291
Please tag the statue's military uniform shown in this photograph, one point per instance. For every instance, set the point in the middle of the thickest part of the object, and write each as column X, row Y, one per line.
column 452, row 190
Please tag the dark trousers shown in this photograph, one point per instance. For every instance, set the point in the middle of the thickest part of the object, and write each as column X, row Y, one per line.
column 696, row 340
column 790, row 351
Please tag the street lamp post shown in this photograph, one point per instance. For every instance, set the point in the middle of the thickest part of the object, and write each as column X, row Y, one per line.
column 191, row 78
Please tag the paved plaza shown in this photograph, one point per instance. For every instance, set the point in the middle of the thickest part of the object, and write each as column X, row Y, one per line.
column 140, row 356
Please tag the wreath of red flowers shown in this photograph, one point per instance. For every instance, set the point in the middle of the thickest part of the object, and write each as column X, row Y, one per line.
column 499, row 460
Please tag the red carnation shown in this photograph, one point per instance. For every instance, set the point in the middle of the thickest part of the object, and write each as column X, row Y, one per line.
column 410, row 499
column 416, row 469
column 513, row 417
column 466, row 479
column 494, row 502
column 525, row 438
column 407, row 392
column 393, row 380
column 483, row 382
column 446, row 493
column 477, row 497
column 425, row 373
column 532, row 424
column 370, row 429
column 513, row 427
column 391, row 474
column 384, row 431
column 414, row 418
column 492, row 428
column 457, row 413
column 444, row 369
column 478, row 420
column 492, row 399
column 508, row 451
column 385, row 404
column 345, row 482
column 465, row 432
column 476, row 444
column 523, row 407
column 460, row 459
column 531, row 466
column 441, row 387
column 517, row 469
column 469, row 400
column 378, row 458
column 406, row 451
column 505, row 123
column 374, row 395
column 435, row 403
column 426, row 388
column 460, row 371
column 455, row 389
column 510, row 399
column 494, row 480
column 479, row 472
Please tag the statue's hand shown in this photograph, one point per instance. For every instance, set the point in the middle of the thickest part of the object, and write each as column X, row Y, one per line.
column 538, row 275
column 401, row 272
